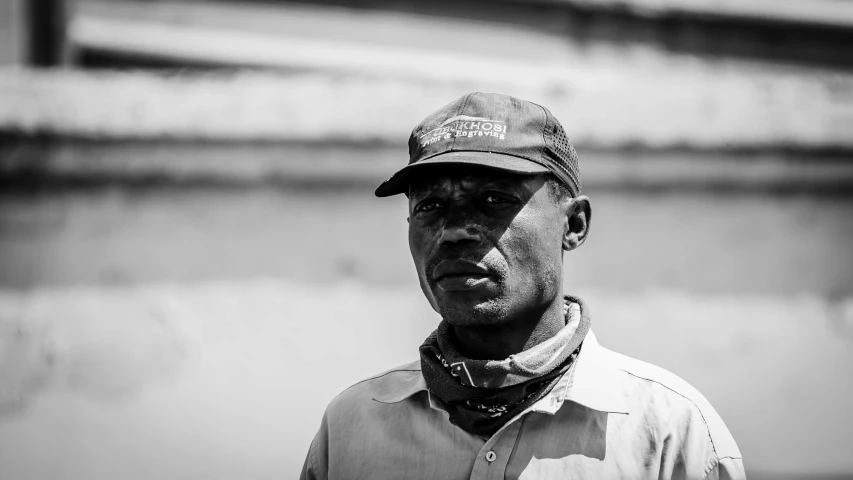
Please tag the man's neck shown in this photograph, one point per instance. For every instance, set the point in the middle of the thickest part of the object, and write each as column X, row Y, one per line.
column 496, row 342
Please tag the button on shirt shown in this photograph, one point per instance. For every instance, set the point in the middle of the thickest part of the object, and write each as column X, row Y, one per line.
column 608, row 417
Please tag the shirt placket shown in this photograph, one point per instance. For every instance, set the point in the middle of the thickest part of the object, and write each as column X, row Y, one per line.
column 493, row 458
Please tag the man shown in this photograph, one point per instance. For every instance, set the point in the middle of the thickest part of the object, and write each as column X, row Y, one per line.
column 512, row 384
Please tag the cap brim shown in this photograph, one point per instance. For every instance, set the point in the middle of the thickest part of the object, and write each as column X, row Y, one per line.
column 399, row 182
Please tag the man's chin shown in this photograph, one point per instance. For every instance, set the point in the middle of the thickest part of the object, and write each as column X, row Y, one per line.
column 472, row 311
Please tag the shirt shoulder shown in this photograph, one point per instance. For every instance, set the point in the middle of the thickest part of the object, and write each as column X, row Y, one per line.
column 664, row 383
column 357, row 423
column 405, row 379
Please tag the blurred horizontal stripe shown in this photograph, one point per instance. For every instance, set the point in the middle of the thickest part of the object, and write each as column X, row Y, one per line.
column 210, row 378
column 820, row 12
column 28, row 162
column 704, row 242
column 614, row 104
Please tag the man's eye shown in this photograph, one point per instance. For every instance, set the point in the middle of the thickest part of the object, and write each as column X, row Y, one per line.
column 496, row 199
column 427, row 206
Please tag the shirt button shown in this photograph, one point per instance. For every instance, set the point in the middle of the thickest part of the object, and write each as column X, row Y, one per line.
column 491, row 456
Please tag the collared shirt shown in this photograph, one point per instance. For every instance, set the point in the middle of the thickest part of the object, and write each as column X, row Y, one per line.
column 608, row 417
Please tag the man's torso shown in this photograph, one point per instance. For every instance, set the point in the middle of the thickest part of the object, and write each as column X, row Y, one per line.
column 614, row 417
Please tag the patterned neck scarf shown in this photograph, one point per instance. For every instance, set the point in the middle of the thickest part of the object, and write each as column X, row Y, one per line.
column 482, row 395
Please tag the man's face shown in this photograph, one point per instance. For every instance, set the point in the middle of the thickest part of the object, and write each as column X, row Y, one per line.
column 487, row 244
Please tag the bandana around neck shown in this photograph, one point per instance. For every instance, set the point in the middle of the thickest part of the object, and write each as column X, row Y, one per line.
column 482, row 395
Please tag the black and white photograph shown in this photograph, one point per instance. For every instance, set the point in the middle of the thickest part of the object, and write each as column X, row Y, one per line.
column 453, row 239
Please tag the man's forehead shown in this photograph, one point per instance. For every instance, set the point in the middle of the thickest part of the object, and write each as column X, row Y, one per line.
column 430, row 177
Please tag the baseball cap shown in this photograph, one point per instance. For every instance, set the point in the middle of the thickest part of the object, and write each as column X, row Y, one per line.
column 491, row 130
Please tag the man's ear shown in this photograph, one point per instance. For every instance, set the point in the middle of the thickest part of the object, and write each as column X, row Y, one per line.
column 578, row 214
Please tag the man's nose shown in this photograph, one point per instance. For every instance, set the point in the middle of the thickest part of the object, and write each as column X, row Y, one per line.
column 455, row 234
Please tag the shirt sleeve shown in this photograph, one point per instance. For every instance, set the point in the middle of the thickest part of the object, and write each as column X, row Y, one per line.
column 316, row 462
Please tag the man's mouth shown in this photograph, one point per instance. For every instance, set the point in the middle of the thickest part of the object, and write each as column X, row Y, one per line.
column 458, row 275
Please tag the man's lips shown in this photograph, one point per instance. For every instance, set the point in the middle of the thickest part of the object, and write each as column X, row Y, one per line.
column 458, row 268
column 459, row 275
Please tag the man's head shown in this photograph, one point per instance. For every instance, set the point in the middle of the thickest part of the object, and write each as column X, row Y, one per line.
column 494, row 201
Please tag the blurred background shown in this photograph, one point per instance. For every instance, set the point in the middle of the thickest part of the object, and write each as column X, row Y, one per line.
column 192, row 262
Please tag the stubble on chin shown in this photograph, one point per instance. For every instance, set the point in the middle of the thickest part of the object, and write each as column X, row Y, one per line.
column 492, row 311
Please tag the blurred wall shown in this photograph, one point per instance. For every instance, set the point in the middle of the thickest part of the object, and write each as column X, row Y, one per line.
column 176, row 333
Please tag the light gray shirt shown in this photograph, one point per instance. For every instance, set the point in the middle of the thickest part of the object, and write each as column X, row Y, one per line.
column 610, row 416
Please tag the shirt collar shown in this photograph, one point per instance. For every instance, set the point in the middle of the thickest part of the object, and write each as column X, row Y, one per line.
column 592, row 382
column 595, row 382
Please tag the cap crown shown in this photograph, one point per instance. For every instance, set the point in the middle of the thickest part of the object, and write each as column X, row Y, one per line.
column 490, row 122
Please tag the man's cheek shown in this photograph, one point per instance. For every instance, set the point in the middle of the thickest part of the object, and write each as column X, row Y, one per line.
column 416, row 247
